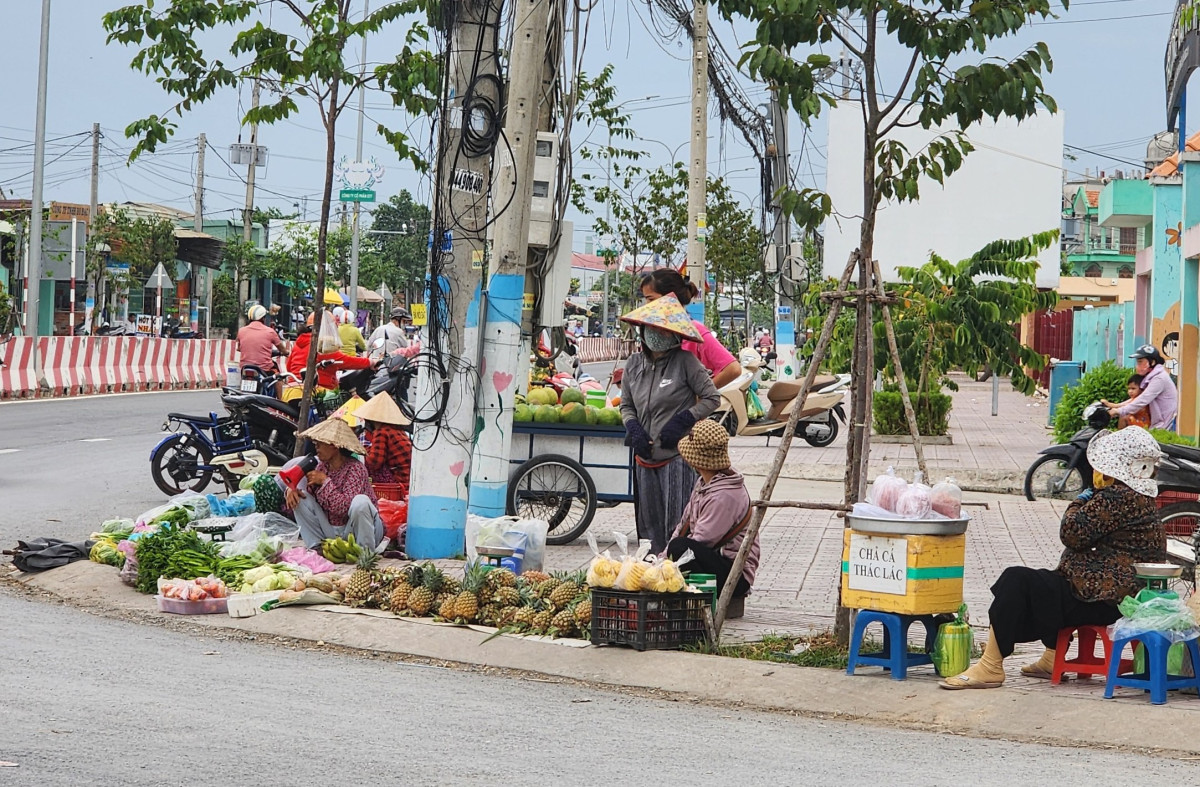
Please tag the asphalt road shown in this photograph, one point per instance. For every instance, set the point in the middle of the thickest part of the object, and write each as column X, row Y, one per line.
column 135, row 705
column 66, row 465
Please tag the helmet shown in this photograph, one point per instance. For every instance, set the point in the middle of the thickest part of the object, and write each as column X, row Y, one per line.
column 339, row 315
column 400, row 313
column 749, row 358
column 256, row 312
column 1150, row 352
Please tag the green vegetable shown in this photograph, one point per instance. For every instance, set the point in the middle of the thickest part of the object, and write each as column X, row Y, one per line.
column 122, row 527
column 156, row 550
column 230, row 570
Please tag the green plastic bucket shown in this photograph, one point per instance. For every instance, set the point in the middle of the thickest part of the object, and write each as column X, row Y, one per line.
column 707, row 582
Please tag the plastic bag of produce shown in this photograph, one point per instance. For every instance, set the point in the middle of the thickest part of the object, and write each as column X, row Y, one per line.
column 306, row 558
column 915, row 502
column 663, row 575
column 117, row 526
column 394, row 514
column 1150, row 610
column 535, row 532
column 952, row 646
column 886, row 489
column 946, row 499
column 603, row 570
column 633, row 568
column 106, row 553
column 129, row 571
column 252, row 526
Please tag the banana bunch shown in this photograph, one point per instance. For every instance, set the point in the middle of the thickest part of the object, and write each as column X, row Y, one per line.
column 341, row 550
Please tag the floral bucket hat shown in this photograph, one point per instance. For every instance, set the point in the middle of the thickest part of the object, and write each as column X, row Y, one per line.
column 666, row 314
column 1130, row 456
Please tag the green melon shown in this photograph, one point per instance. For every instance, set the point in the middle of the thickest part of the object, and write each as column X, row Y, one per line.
column 545, row 414
column 574, row 413
column 610, row 416
column 523, row 413
column 593, row 415
column 573, row 395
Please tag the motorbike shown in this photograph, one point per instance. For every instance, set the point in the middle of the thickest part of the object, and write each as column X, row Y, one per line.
column 1061, row 472
column 819, row 421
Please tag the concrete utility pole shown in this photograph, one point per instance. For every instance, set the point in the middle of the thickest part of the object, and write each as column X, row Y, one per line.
column 502, row 332
column 248, row 212
column 698, row 168
column 89, row 306
column 33, row 268
column 785, row 325
column 198, row 225
column 437, row 512
column 362, row 97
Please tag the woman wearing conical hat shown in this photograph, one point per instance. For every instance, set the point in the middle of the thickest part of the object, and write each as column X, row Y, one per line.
column 664, row 392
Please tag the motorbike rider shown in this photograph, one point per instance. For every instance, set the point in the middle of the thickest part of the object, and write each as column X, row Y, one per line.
column 392, row 334
column 353, row 342
column 1158, row 390
column 330, row 360
column 719, row 362
column 255, row 340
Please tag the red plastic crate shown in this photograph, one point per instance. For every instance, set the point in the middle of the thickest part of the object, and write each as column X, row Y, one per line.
column 390, row 491
column 648, row 621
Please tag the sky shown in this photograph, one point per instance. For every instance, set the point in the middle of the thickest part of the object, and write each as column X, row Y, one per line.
column 1107, row 80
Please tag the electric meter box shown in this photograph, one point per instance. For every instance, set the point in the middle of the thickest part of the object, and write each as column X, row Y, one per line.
column 557, row 282
column 545, row 189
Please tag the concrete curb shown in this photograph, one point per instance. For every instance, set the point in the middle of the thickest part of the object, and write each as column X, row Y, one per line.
column 1001, row 482
column 1010, row 713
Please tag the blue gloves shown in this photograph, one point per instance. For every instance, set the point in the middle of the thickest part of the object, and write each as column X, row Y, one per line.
column 1085, row 495
column 636, row 437
column 677, row 428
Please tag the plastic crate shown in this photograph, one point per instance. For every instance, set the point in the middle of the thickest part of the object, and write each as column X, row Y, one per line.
column 209, row 606
column 648, row 621
column 390, row 491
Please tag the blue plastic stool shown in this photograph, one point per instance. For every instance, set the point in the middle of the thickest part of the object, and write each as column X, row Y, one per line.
column 1155, row 679
column 894, row 656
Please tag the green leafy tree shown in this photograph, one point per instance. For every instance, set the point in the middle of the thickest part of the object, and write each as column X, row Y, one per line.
column 399, row 239
column 302, row 50
column 141, row 241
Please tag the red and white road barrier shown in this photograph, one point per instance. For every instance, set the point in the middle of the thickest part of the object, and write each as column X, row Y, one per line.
column 17, row 374
column 593, row 349
column 74, row 365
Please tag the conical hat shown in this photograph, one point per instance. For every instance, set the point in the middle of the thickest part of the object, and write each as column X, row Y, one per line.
column 667, row 314
column 334, row 431
column 382, row 409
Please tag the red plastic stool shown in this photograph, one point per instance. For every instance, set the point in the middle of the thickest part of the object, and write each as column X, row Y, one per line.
column 1086, row 661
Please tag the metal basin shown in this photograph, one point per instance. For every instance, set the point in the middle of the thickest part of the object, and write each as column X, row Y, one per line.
column 1163, row 570
column 908, row 527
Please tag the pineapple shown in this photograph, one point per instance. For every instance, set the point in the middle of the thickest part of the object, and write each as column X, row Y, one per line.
column 583, row 612
column 446, row 608
column 466, row 604
column 563, row 624
column 451, row 586
column 541, row 622
column 502, row 578
column 420, row 601
column 545, row 588
column 534, row 577
column 508, row 596
column 422, row 598
column 489, row 614
column 360, row 581
column 506, row 617
column 523, row 617
column 398, row 601
column 563, row 595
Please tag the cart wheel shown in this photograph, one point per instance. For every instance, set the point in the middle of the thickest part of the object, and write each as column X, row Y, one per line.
column 557, row 489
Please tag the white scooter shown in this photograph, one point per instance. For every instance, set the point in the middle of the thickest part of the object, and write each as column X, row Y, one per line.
column 818, row 421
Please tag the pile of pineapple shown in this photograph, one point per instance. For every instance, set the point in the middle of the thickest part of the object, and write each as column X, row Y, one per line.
column 557, row 605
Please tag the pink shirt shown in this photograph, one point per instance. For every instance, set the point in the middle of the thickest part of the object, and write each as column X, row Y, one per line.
column 711, row 353
column 255, row 342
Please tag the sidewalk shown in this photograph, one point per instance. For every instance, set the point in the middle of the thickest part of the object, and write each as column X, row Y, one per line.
column 989, row 453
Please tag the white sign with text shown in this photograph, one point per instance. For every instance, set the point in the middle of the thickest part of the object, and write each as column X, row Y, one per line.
column 877, row 564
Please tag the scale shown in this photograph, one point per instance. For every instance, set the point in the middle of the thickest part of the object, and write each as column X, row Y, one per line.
column 1157, row 575
column 494, row 555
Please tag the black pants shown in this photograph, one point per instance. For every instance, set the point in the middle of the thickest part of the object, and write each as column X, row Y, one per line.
column 1032, row 604
column 707, row 561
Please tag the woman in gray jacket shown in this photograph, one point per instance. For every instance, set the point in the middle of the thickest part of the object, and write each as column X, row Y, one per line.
column 664, row 392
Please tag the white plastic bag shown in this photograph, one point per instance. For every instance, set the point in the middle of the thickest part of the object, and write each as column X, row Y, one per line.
column 946, row 499
column 251, row 526
column 508, row 531
column 916, row 502
column 886, row 490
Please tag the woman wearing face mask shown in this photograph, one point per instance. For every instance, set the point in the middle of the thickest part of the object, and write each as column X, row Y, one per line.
column 664, row 392
column 719, row 362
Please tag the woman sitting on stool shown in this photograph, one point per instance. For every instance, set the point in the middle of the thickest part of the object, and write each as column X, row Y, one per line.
column 336, row 498
column 1104, row 533
column 715, row 518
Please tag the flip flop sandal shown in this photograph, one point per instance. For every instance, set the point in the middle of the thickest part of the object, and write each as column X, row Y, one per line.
column 1034, row 671
column 963, row 682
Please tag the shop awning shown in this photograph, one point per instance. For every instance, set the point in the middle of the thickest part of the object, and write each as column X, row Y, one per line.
column 199, row 248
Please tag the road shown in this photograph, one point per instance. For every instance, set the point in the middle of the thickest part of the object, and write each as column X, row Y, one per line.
column 135, row 705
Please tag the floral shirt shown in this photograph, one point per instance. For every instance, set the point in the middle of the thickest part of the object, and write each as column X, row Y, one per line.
column 342, row 486
column 1104, row 537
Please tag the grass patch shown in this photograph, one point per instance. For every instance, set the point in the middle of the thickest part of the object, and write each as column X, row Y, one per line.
column 820, row 650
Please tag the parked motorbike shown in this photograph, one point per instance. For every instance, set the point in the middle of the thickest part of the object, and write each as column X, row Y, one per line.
column 1062, row 471
column 818, row 422
column 202, row 446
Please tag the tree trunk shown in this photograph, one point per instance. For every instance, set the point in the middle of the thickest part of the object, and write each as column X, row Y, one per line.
column 310, row 370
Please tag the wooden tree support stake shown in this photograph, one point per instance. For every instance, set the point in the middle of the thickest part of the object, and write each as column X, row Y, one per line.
column 909, row 413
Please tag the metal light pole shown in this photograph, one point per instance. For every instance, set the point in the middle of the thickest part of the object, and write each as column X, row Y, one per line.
column 362, row 97
column 33, row 269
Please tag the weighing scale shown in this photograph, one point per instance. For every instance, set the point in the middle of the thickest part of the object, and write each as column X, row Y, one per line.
column 1157, row 576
